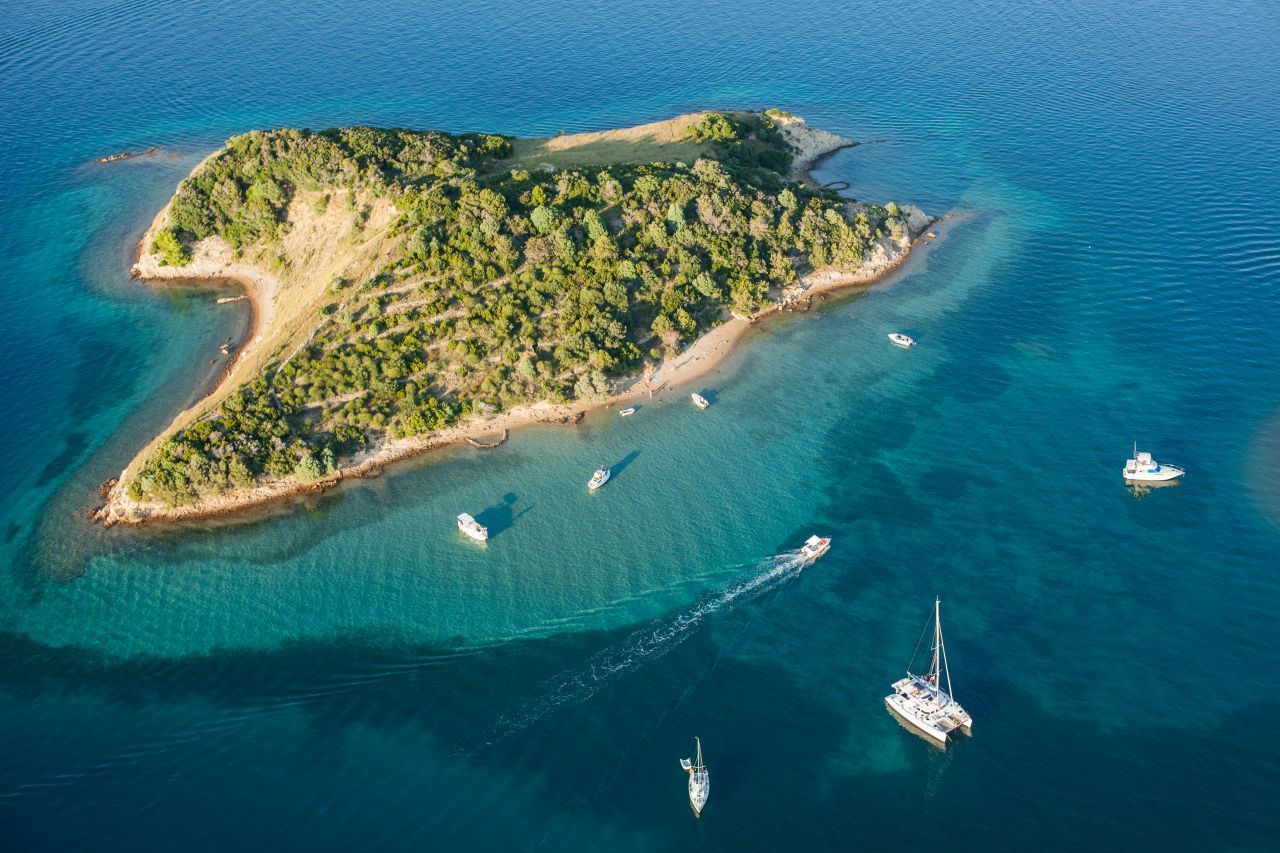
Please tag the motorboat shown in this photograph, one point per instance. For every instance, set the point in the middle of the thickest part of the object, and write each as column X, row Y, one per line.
column 901, row 340
column 699, row 779
column 472, row 528
column 599, row 478
column 700, row 401
column 814, row 547
column 1144, row 469
column 630, row 410
column 920, row 700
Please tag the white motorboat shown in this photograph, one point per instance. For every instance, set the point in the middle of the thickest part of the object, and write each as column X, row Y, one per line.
column 699, row 779
column 472, row 528
column 814, row 547
column 700, row 401
column 919, row 700
column 901, row 340
column 599, row 478
column 630, row 410
column 1143, row 469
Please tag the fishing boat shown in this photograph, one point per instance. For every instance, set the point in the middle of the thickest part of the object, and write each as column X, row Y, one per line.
column 901, row 340
column 814, row 547
column 599, row 478
column 630, row 410
column 700, row 401
column 919, row 700
column 699, row 779
column 472, row 528
column 1143, row 469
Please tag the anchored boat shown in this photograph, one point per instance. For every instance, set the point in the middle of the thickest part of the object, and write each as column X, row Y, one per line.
column 699, row 779
column 1143, row 469
column 599, row 478
column 630, row 410
column 472, row 528
column 814, row 547
column 919, row 700
column 700, row 401
column 901, row 340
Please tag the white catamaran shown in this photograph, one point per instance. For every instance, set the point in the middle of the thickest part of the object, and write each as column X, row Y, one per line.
column 699, row 780
column 919, row 700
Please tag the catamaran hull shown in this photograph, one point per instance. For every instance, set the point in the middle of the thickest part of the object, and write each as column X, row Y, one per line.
column 931, row 733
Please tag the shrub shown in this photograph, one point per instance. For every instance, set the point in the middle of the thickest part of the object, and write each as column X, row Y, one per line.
column 170, row 249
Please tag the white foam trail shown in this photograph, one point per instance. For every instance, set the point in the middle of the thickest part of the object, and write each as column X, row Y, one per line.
column 643, row 645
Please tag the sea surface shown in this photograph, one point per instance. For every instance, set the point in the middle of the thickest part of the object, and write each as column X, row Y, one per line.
column 352, row 674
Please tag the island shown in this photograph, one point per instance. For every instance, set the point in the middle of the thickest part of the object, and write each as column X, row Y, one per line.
column 414, row 288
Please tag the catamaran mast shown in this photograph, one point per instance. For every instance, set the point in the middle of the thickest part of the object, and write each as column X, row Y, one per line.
column 937, row 612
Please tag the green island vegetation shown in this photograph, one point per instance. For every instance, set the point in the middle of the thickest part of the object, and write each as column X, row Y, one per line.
column 509, row 283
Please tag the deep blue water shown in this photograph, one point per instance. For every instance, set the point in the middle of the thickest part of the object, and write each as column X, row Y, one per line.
column 350, row 674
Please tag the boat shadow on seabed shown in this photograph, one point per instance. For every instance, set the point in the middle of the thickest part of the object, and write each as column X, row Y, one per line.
column 501, row 516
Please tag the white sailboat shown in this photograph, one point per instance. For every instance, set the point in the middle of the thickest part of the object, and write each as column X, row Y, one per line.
column 919, row 700
column 699, row 779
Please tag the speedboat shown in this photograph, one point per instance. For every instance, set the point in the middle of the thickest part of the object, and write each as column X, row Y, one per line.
column 599, row 478
column 920, row 700
column 814, row 547
column 700, row 401
column 1143, row 469
column 901, row 340
column 472, row 528
column 630, row 410
column 699, row 779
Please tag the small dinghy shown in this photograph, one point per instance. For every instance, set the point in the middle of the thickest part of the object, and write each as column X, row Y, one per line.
column 599, row 478
column 901, row 340
column 699, row 779
column 472, row 528
column 700, row 401
column 630, row 410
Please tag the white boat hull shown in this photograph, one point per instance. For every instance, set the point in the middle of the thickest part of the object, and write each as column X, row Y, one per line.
column 596, row 483
column 927, row 711
column 1164, row 474
column 699, row 791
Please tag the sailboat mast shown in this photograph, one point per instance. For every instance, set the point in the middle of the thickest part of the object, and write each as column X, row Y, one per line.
column 934, row 672
column 942, row 646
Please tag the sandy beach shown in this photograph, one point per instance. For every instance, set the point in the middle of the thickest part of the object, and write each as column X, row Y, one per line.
column 214, row 261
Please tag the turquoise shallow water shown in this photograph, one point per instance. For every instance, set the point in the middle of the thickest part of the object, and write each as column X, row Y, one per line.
column 352, row 673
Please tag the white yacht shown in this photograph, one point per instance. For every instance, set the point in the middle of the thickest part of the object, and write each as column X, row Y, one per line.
column 599, row 478
column 814, row 547
column 700, row 401
column 630, row 410
column 472, row 528
column 919, row 700
column 1143, row 469
column 699, row 780
column 901, row 340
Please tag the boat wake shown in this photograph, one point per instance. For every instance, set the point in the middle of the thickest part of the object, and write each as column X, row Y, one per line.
column 645, row 644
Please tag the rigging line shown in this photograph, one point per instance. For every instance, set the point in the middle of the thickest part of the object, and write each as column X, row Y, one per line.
column 923, row 631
